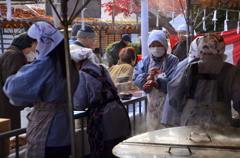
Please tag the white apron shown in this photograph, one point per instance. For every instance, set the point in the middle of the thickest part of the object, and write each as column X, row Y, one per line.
column 156, row 101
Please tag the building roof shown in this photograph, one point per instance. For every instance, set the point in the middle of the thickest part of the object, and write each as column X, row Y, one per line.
column 26, row 14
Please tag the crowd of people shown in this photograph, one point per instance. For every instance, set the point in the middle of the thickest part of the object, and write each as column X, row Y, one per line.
column 182, row 88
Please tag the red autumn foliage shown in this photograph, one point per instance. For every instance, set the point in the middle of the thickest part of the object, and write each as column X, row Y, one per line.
column 168, row 6
column 128, row 7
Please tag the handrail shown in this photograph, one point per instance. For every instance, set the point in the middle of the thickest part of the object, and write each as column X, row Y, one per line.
column 23, row 130
column 134, row 100
column 77, row 115
column 12, row 133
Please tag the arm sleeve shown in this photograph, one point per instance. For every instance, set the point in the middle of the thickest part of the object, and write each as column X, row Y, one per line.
column 22, row 88
column 11, row 66
column 80, row 95
column 140, row 75
column 176, row 91
column 172, row 64
column 88, row 91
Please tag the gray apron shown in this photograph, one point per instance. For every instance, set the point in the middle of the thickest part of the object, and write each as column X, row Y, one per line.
column 40, row 119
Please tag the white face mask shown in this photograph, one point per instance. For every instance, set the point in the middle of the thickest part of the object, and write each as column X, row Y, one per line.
column 30, row 57
column 157, row 51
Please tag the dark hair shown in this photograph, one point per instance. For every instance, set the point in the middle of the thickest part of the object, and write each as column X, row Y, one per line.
column 127, row 54
column 58, row 54
column 96, row 51
column 23, row 41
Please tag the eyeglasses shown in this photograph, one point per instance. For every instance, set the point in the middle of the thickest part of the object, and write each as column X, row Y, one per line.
column 94, row 40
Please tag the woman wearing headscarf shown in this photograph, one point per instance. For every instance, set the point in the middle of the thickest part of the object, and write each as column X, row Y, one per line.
column 170, row 116
column 19, row 53
column 108, row 121
column 205, row 89
column 152, row 75
column 44, row 84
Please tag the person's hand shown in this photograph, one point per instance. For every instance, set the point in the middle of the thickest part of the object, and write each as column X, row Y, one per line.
column 152, row 72
column 150, row 84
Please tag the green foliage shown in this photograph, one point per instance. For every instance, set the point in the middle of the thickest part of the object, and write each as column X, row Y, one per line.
column 135, row 45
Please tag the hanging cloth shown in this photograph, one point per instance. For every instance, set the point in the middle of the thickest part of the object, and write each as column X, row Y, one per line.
column 157, row 21
column 173, row 13
column 9, row 10
column 215, row 19
column 203, row 19
column 131, row 6
column 238, row 29
column 82, row 16
column 225, row 22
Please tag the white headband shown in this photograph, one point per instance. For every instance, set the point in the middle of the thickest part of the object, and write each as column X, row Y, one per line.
column 81, row 54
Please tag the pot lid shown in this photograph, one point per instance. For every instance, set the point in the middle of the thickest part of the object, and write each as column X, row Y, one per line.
column 186, row 138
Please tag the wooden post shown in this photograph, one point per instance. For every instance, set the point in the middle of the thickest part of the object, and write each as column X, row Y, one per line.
column 68, row 69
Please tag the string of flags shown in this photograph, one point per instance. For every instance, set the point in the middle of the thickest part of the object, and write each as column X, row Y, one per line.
column 9, row 10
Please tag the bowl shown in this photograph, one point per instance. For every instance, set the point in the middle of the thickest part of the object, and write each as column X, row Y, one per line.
column 137, row 93
column 125, row 96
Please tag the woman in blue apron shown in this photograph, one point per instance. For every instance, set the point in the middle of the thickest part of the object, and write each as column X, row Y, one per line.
column 44, row 83
column 152, row 75
column 108, row 121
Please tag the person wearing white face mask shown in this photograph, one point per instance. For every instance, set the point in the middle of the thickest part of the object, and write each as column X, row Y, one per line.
column 152, row 75
column 10, row 62
column 30, row 57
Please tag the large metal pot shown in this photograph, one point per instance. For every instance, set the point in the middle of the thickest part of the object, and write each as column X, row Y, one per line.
column 187, row 141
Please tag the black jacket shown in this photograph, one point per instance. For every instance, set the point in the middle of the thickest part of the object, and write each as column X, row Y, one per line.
column 10, row 62
column 114, row 52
